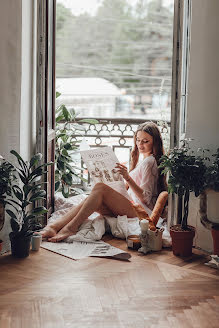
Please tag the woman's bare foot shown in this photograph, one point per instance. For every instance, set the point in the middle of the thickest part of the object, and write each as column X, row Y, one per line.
column 48, row 232
column 64, row 233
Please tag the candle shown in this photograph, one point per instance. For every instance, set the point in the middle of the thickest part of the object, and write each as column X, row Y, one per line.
column 144, row 224
column 133, row 241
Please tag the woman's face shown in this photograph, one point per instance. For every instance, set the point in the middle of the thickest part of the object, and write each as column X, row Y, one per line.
column 144, row 143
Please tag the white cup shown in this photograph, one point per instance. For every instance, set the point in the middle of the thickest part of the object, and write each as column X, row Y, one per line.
column 36, row 241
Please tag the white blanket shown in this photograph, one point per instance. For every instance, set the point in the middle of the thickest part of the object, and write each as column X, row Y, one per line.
column 96, row 225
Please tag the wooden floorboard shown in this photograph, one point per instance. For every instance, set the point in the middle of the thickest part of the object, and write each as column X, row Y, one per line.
column 47, row 290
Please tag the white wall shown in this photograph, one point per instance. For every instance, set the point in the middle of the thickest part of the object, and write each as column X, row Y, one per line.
column 10, row 72
column 17, row 128
column 203, row 92
column 16, row 110
column 27, row 124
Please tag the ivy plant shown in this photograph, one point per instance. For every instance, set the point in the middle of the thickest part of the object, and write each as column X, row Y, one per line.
column 67, row 171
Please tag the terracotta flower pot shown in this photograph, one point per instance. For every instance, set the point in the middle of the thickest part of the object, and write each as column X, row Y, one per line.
column 215, row 236
column 182, row 240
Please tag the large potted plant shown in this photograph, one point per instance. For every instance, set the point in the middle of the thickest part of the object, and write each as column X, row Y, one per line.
column 67, row 170
column 27, row 189
column 209, row 201
column 186, row 174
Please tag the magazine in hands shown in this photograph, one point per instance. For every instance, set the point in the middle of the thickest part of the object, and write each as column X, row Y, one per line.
column 101, row 163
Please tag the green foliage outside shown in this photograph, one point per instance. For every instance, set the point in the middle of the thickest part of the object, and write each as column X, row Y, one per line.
column 121, row 43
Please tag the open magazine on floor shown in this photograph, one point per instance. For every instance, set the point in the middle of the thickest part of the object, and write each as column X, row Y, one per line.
column 101, row 163
column 80, row 249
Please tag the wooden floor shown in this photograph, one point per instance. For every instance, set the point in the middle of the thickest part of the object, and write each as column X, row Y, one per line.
column 47, row 290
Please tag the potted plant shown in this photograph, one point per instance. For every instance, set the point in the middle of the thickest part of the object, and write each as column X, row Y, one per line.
column 209, row 201
column 27, row 190
column 6, row 177
column 67, row 172
column 186, row 174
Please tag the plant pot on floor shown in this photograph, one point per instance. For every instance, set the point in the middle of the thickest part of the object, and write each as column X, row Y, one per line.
column 20, row 246
column 215, row 236
column 182, row 240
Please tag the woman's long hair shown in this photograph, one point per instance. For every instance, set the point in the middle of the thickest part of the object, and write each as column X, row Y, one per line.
column 158, row 150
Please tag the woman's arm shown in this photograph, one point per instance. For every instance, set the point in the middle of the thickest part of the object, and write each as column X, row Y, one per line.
column 137, row 190
column 130, row 183
column 148, row 172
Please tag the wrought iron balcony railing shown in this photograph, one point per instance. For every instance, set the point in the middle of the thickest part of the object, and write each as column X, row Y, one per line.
column 117, row 133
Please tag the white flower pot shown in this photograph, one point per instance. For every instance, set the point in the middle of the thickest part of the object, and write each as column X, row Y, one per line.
column 212, row 206
column 155, row 239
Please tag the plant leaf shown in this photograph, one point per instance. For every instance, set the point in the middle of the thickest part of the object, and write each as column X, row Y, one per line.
column 88, row 120
column 58, row 94
column 57, row 185
column 35, row 159
column 14, row 225
column 19, row 158
column 39, row 210
column 12, row 215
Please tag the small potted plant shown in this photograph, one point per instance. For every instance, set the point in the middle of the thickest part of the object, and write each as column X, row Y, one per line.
column 6, row 178
column 27, row 190
column 186, row 174
column 209, row 201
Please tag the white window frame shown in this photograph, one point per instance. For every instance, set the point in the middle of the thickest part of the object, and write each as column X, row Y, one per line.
column 180, row 70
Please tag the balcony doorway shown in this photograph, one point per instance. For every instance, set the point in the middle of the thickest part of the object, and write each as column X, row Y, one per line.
column 114, row 58
column 114, row 63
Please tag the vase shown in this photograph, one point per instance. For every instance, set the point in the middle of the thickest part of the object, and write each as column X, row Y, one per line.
column 212, row 205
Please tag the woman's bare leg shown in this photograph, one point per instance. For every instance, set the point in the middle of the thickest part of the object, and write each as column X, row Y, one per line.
column 52, row 228
column 101, row 198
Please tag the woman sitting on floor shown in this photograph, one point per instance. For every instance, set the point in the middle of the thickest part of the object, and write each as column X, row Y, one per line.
column 144, row 183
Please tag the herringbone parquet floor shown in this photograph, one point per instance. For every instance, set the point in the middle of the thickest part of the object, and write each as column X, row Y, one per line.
column 47, row 290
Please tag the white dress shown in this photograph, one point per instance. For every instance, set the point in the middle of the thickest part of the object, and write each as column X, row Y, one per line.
column 145, row 175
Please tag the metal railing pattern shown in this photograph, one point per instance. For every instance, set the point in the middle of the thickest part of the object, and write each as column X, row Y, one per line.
column 118, row 130
column 117, row 133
